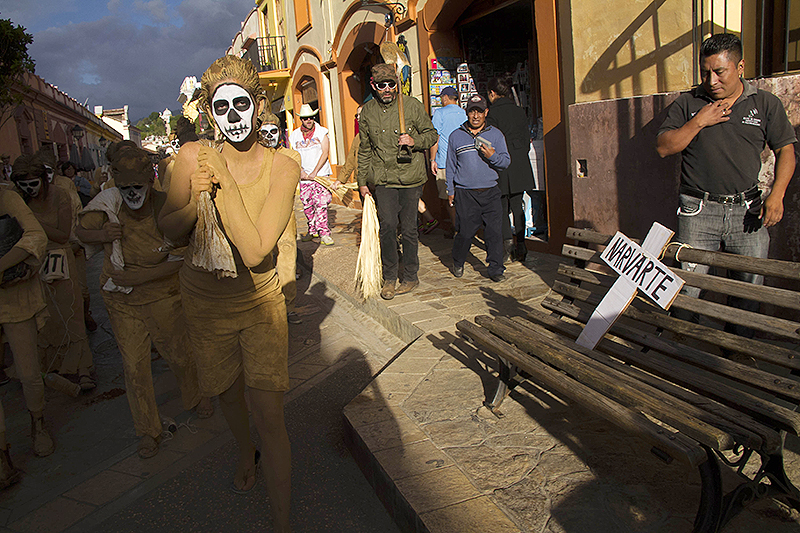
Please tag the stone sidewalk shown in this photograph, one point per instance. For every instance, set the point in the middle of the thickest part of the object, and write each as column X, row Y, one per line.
column 95, row 474
column 442, row 463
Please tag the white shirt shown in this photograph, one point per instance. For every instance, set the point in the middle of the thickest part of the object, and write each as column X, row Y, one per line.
column 310, row 150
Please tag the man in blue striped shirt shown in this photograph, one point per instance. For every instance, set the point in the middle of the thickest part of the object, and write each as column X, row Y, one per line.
column 475, row 153
column 446, row 120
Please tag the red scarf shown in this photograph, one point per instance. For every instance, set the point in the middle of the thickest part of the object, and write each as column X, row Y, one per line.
column 308, row 134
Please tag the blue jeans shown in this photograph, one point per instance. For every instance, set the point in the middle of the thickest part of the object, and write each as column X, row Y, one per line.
column 729, row 228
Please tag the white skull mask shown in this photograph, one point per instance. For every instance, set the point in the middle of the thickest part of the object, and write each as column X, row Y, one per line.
column 233, row 109
column 271, row 135
column 30, row 187
column 50, row 173
column 134, row 195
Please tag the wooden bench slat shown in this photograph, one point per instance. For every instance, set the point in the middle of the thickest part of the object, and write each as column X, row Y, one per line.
column 671, row 395
column 742, row 289
column 582, row 254
column 561, row 307
column 766, row 267
column 785, row 387
column 761, row 350
column 718, row 412
column 777, row 355
column 708, row 382
column 674, row 445
column 611, row 383
column 768, row 324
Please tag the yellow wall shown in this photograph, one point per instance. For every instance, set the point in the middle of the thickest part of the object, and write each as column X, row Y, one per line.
column 630, row 48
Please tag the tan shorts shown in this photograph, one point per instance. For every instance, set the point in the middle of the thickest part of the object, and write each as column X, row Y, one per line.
column 254, row 341
column 441, row 184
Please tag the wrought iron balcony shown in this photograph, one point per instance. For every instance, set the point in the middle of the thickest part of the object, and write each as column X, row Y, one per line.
column 268, row 53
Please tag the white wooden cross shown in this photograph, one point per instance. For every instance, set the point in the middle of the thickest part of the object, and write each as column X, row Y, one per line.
column 639, row 269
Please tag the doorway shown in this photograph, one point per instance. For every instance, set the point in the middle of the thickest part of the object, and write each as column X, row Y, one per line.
column 503, row 42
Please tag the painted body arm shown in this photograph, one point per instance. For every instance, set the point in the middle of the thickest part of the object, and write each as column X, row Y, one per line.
column 60, row 232
column 179, row 214
column 132, row 278
column 254, row 239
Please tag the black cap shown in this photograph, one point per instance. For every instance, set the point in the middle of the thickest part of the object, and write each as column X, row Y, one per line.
column 476, row 101
column 449, row 92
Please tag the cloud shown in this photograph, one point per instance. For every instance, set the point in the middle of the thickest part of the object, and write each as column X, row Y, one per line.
column 114, row 6
column 112, row 62
column 156, row 9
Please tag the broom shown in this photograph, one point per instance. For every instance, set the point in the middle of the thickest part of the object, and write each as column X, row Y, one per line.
column 369, row 272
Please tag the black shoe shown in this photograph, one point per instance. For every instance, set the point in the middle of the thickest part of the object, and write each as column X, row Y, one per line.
column 508, row 251
column 458, row 271
column 521, row 253
column 497, row 278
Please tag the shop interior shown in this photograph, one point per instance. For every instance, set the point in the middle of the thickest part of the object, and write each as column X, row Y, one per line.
column 503, row 41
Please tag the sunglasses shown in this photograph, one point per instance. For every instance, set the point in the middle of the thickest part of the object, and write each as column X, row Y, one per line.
column 386, row 85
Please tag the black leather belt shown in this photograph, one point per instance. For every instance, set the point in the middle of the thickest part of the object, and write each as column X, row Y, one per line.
column 741, row 198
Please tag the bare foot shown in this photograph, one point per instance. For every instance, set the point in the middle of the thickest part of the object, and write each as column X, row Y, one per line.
column 246, row 474
column 204, row 409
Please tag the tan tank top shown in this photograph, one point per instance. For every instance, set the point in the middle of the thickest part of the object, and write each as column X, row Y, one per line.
column 142, row 244
column 251, row 285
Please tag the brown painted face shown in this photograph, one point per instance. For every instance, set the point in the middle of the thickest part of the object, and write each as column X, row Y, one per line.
column 721, row 76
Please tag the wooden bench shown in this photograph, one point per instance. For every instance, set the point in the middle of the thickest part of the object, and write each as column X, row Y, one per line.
column 663, row 378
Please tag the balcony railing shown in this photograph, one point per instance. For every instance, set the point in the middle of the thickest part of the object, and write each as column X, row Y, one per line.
column 268, row 53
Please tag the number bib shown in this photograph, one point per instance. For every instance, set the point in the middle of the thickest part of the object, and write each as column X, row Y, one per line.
column 54, row 267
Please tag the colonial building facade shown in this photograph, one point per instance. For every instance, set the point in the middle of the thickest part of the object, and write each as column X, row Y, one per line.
column 594, row 79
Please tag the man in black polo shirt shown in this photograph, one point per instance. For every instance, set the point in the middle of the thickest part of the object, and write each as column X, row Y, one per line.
column 720, row 128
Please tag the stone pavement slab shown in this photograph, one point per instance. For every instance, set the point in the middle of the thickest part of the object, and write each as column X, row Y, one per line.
column 96, row 481
column 442, row 463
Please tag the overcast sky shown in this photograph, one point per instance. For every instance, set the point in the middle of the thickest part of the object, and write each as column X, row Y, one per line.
column 118, row 52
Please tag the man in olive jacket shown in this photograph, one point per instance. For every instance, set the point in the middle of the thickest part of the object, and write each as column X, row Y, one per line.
column 397, row 186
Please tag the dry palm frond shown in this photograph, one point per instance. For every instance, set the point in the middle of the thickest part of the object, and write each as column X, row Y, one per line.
column 212, row 251
column 336, row 187
column 369, row 272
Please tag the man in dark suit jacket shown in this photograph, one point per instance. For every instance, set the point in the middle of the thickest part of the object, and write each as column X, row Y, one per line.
column 518, row 177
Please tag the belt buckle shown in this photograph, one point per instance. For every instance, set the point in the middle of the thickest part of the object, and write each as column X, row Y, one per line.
column 727, row 199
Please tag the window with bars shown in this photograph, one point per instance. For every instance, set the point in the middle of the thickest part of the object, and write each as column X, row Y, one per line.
column 769, row 30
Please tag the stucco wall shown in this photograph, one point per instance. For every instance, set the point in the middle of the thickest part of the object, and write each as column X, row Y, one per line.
column 628, row 186
column 637, row 47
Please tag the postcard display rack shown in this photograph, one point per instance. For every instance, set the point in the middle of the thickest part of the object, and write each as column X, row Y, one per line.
column 449, row 72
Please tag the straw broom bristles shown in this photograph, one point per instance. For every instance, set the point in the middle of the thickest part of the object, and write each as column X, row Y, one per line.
column 337, row 188
column 369, row 272
column 212, row 251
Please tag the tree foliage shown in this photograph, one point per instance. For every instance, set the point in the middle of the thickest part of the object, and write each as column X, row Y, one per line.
column 14, row 61
column 152, row 125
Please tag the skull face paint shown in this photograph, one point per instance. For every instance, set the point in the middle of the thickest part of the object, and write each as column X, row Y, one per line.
column 233, row 109
column 271, row 135
column 30, row 187
column 134, row 195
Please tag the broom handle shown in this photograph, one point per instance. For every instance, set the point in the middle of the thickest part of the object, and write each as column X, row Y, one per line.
column 402, row 114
